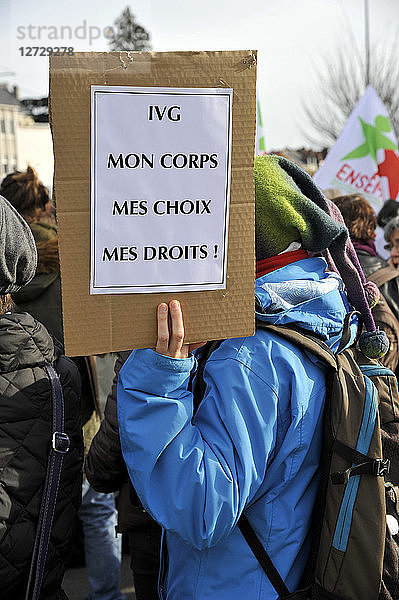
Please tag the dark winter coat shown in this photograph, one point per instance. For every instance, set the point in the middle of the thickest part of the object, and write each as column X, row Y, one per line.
column 42, row 298
column 390, row 289
column 25, row 437
column 105, row 468
column 386, row 312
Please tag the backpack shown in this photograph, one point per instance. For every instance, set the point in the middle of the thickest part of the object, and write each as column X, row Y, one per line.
column 384, row 317
column 354, row 553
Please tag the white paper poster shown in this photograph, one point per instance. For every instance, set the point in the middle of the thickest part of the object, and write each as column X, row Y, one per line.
column 160, row 189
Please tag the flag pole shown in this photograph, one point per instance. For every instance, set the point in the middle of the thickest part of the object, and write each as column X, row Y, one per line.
column 367, row 39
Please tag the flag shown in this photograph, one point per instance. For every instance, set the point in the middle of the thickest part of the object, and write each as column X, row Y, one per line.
column 365, row 158
column 260, row 147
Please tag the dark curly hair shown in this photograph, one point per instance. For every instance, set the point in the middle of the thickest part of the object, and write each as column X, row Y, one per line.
column 358, row 215
column 25, row 192
column 389, row 210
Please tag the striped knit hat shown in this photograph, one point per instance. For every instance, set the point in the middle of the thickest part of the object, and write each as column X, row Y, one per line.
column 290, row 207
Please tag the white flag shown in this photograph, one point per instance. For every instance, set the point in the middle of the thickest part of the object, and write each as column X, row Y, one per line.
column 365, row 158
column 260, row 147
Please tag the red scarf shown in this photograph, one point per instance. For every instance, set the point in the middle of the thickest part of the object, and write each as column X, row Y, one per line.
column 267, row 265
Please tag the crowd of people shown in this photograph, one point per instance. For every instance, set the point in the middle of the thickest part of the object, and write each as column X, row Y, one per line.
column 150, row 457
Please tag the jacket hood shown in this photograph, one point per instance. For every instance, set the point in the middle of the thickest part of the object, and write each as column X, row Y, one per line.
column 24, row 343
column 48, row 268
column 35, row 288
column 43, row 232
column 304, row 294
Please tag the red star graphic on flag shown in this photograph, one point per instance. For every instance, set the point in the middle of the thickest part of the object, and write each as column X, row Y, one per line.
column 390, row 169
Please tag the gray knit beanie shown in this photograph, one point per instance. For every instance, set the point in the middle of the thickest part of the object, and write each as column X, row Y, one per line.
column 18, row 256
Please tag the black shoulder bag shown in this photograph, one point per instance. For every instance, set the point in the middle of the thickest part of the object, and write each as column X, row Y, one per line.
column 60, row 443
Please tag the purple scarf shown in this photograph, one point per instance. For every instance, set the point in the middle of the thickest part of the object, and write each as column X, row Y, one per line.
column 365, row 245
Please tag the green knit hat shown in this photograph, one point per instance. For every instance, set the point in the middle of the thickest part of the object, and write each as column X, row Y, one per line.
column 283, row 214
column 290, row 207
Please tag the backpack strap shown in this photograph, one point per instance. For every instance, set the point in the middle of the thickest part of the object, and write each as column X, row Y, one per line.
column 262, row 556
column 198, row 386
column 307, row 342
column 311, row 341
column 362, row 464
column 60, row 446
column 383, row 275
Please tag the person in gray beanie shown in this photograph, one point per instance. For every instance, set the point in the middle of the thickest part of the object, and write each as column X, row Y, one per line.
column 42, row 298
column 26, row 424
column 18, row 256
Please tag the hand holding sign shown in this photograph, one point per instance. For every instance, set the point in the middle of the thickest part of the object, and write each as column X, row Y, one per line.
column 170, row 340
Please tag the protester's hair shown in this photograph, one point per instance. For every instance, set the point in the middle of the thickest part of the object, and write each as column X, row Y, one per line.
column 390, row 227
column 332, row 193
column 358, row 215
column 6, row 304
column 48, row 256
column 389, row 210
column 25, row 191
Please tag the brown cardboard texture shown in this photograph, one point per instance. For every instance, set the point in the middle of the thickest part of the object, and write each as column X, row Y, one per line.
column 95, row 324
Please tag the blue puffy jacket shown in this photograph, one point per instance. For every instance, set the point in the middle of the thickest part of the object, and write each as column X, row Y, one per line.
column 253, row 445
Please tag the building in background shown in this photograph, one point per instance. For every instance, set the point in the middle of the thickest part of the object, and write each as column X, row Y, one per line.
column 25, row 138
column 9, row 117
column 23, row 141
column 35, row 148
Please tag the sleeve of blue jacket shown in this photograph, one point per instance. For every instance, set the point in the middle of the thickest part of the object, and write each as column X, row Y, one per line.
column 195, row 476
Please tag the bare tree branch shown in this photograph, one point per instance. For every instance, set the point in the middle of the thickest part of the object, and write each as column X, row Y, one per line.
column 341, row 84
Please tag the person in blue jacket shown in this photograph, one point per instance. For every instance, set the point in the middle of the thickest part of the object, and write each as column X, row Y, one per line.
column 254, row 443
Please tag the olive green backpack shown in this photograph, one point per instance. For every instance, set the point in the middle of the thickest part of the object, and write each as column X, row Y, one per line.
column 355, row 545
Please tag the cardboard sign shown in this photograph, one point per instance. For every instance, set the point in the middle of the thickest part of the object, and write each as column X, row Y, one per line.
column 160, row 192
column 185, row 228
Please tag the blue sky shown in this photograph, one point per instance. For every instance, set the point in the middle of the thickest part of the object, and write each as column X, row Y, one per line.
column 290, row 36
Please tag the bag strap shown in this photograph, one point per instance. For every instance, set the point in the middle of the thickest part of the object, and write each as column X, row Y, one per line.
column 383, row 275
column 198, row 388
column 60, row 446
column 310, row 341
column 197, row 383
column 262, row 556
column 306, row 342
column 361, row 464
